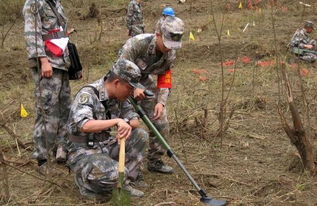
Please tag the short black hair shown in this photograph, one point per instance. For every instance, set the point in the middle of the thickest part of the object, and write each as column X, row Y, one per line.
column 111, row 76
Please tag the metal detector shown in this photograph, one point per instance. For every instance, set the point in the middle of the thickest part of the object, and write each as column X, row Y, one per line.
column 204, row 198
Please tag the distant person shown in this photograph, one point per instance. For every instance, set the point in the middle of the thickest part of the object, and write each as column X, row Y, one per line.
column 135, row 22
column 304, row 46
column 93, row 150
column 49, row 66
column 155, row 54
column 167, row 11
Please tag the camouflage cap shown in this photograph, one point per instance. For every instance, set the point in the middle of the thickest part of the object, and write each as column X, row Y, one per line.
column 172, row 30
column 128, row 71
column 309, row 24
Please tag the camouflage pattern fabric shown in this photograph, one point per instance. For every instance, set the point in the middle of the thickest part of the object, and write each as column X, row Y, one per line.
column 52, row 94
column 141, row 50
column 159, row 23
column 52, row 109
column 301, row 38
column 96, row 168
column 135, row 18
column 39, row 19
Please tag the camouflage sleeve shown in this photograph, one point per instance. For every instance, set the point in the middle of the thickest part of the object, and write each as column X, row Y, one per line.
column 131, row 50
column 163, row 95
column 127, row 111
column 81, row 111
column 297, row 40
column 171, row 59
column 33, row 28
column 130, row 15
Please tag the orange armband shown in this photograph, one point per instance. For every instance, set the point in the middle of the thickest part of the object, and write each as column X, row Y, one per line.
column 165, row 80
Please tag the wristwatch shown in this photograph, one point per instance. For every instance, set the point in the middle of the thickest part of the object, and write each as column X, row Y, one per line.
column 127, row 120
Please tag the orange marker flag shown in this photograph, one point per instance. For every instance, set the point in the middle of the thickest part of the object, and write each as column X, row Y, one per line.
column 165, row 80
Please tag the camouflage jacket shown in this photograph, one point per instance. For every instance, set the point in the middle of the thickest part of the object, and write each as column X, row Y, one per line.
column 134, row 15
column 39, row 19
column 141, row 50
column 87, row 106
column 301, row 38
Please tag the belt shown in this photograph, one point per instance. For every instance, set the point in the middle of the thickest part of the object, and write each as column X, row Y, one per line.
column 78, row 139
column 55, row 35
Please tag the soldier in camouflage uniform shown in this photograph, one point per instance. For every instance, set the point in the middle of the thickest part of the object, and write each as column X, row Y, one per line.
column 302, row 42
column 155, row 54
column 50, row 75
column 135, row 18
column 93, row 152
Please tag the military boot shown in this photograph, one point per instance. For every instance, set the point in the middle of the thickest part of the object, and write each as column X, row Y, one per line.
column 139, row 182
column 133, row 192
column 159, row 166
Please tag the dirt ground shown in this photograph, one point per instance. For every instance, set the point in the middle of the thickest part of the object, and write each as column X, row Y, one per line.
column 253, row 163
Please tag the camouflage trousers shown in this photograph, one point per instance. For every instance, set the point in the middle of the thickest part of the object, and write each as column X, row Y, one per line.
column 156, row 150
column 136, row 30
column 52, row 108
column 96, row 169
column 309, row 57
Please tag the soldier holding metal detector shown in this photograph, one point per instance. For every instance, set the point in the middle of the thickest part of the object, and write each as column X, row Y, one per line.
column 154, row 54
column 302, row 45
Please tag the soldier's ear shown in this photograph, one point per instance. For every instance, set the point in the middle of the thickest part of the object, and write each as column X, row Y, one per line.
column 116, row 82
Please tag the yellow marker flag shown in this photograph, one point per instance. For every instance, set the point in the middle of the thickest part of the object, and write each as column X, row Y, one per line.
column 23, row 112
column 240, row 5
column 191, row 36
column 228, row 33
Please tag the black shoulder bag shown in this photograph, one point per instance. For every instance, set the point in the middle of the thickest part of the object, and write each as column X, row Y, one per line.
column 75, row 69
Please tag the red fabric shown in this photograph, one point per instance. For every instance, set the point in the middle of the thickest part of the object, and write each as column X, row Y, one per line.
column 54, row 49
column 228, row 63
column 165, row 80
column 245, row 59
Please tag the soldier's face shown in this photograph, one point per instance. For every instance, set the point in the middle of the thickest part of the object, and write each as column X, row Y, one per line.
column 123, row 90
column 309, row 29
column 160, row 44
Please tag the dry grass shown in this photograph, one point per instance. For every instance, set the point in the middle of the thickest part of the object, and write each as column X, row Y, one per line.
column 252, row 165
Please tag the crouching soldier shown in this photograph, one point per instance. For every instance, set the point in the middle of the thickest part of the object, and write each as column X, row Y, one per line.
column 302, row 45
column 93, row 152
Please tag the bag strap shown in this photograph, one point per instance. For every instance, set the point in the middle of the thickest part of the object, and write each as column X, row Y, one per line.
column 108, row 114
column 60, row 20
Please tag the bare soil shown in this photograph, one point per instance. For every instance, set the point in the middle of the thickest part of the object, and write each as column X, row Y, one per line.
column 253, row 163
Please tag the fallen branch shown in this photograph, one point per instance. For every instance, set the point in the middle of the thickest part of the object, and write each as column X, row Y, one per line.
column 165, row 203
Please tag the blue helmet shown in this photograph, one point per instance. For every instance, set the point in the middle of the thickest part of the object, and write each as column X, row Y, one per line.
column 168, row 11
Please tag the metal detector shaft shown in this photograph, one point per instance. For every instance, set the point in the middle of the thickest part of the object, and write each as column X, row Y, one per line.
column 170, row 152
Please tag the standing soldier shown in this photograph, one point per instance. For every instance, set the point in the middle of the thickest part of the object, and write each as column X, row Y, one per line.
column 154, row 54
column 302, row 45
column 44, row 21
column 135, row 18
column 93, row 152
